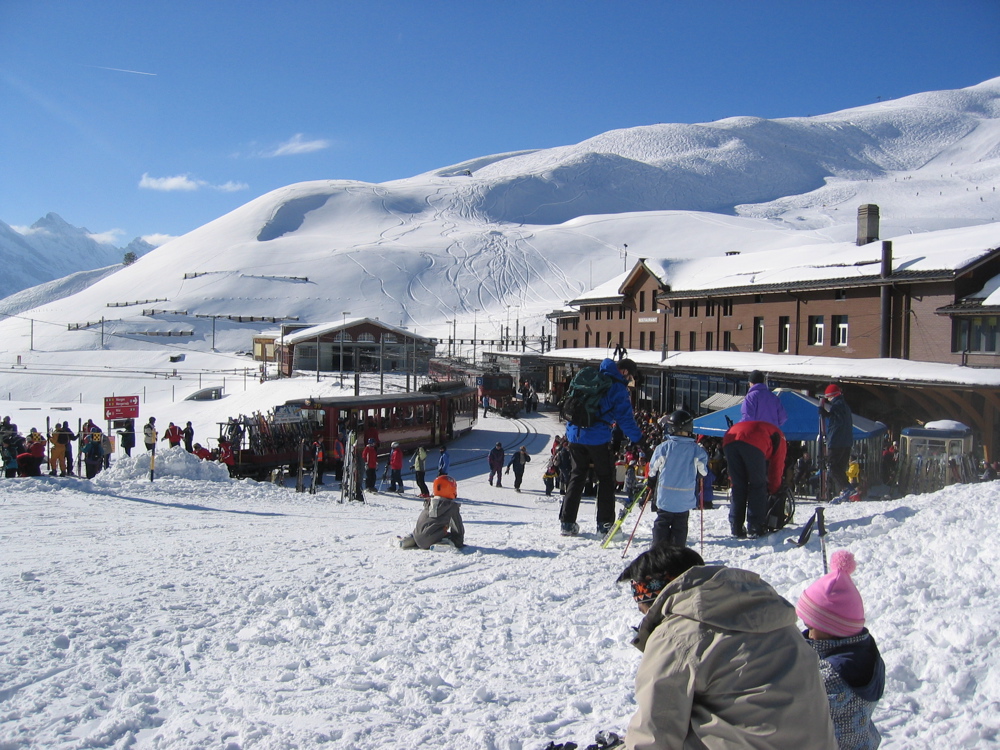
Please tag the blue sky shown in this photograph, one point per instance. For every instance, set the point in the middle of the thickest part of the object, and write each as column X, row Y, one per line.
column 156, row 117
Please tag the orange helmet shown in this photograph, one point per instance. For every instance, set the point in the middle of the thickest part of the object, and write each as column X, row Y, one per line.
column 446, row 486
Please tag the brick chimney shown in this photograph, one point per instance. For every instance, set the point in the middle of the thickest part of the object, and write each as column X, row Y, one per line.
column 867, row 224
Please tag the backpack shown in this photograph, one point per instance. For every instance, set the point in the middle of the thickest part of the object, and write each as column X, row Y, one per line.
column 581, row 406
column 780, row 509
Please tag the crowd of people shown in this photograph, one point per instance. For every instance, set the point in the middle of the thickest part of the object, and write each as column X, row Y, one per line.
column 25, row 455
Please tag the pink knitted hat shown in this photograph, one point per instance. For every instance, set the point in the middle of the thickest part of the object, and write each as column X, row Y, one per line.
column 832, row 604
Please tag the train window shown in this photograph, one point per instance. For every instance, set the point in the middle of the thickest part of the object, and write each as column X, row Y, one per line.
column 420, row 414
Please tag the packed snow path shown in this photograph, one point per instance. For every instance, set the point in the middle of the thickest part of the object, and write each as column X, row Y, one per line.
column 189, row 613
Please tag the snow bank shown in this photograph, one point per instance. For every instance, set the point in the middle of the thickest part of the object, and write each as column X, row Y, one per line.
column 172, row 462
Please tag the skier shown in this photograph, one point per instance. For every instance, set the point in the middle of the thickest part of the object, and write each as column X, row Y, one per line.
column 396, row 469
column 496, row 459
column 93, row 455
column 420, row 471
column 318, row 457
column 337, row 457
column 188, row 434
column 57, row 453
column 590, row 445
column 440, row 521
column 723, row 664
column 370, row 457
column 674, row 469
column 226, row 455
column 518, row 461
column 834, row 410
column 128, row 436
column 761, row 404
column 173, row 434
column 850, row 664
column 755, row 458
column 149, row 435
column 444, row 461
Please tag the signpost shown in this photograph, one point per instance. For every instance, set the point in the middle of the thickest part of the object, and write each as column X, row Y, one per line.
column 121, row 407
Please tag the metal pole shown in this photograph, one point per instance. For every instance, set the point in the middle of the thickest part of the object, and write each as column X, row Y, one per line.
column 213, row 333
column 32, row 344
column 343, row 333
column 317, row 356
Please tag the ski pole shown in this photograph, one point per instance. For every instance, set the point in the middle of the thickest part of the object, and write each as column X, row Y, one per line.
column 821, row 529
column 701, row 505
column 634, row 528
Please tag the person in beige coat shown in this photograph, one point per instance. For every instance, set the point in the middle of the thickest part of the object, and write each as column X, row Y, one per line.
column 723, row 663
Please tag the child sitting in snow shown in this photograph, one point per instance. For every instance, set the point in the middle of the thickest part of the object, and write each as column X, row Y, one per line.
column 440, row 520
column 852, row 668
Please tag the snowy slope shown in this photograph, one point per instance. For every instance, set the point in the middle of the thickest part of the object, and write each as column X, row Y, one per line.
column 189, row 613
column 530, row 229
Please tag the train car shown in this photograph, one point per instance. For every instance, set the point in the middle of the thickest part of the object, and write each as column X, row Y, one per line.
column 496, row 386
column 435, row 414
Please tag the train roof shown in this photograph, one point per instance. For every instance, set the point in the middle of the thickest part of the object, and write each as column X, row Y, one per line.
column 386, row 399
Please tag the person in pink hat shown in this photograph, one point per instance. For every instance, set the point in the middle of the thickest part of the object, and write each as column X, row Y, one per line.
column 852, row 668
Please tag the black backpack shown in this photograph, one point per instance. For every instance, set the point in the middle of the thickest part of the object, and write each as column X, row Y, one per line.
column 581, row 406
column 780, row 509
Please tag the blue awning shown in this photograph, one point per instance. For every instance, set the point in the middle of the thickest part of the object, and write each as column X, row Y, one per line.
column 802, row 424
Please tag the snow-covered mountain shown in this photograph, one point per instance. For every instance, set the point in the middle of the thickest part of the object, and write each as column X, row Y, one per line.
column 510, row 236
column 50, row 249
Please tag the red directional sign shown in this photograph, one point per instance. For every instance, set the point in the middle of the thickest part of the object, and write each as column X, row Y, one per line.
column 121, row 407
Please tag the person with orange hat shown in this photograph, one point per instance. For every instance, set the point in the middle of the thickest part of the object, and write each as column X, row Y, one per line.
column 440, row 521
column 850, row 664
column 833, row 409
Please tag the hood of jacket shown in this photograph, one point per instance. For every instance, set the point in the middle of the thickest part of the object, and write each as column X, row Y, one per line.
column 610, row 368
column 439, row 506
column 722, row 598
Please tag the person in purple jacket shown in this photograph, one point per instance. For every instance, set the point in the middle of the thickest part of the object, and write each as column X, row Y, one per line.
column 760, row 404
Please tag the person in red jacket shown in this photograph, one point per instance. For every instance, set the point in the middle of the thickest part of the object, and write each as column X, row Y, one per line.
column 201, row 452
column 336, row 457
column 755, row 457
column 396, row 469
column 174, row 434
column 226, row 455
column 370, row 457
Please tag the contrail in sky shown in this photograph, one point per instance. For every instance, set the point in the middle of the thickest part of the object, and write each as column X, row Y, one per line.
column 120, row 70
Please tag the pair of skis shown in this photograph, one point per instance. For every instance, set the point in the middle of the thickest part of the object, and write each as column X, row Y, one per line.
column 638, row 499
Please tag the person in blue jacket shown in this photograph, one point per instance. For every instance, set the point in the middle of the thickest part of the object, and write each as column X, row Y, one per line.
column 444, row 462
column 591, row 445
column 674, row 469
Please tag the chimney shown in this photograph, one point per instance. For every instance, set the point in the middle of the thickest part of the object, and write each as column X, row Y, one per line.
column 867, row 224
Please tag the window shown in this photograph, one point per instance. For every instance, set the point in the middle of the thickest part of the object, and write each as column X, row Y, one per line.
column 678, row 308
column 709, row 341
column 574, row 343
column 816, row 330
column 565, row 324
column 642, row 302
column 652, row 341
column 677, row 341
column 611, row 311
column 642, row 340
column 727, row 308
column 758, row 334
column 609, row 338
column 369, row 337
column 710, row 308
column 586, row 340
column 840, row 294
column 576, row 325
column 621, row 339
column 727, row 341
column 621, row 313
column 586, row 313
column 784, row 333
column 597, row 313
column 693, row 341
column 839, row 330
column 693, row 308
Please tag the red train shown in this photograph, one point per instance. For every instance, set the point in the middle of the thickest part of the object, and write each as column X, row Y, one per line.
column 497, row 386
column 435, row 414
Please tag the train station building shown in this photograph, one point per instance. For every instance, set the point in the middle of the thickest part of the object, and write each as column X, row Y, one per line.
column 348, row 345
column 908, row 327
